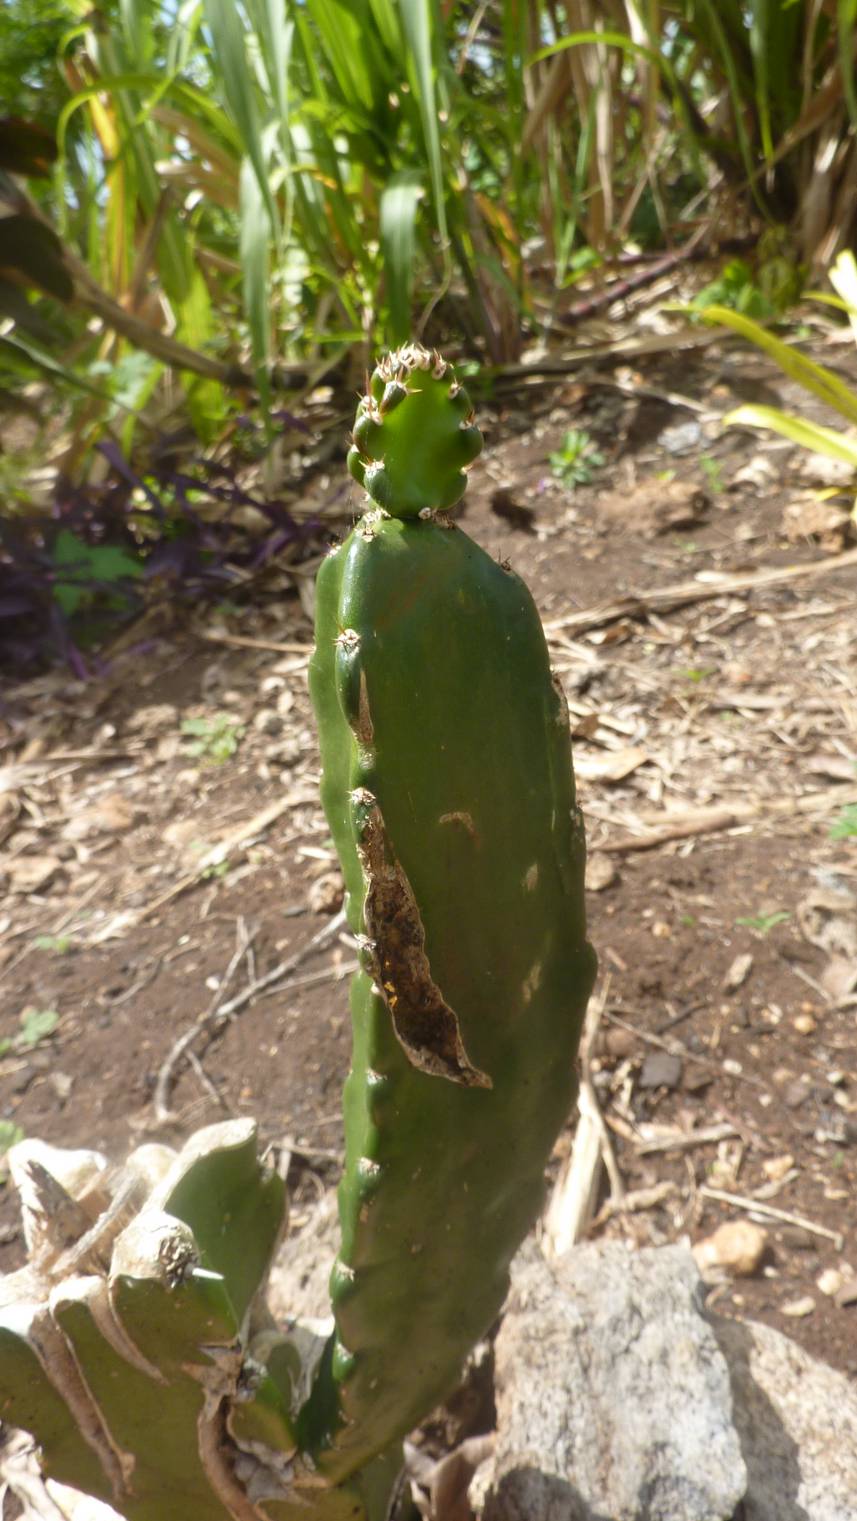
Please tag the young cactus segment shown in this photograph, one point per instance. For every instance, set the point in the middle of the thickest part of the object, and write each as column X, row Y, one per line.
column 414, row 435
column 448, row 786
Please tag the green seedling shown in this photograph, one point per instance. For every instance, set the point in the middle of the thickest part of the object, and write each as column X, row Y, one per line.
column 763, row 923
column 576, row 461
column 163, row 1386
column 215, row 740
column 36, row 1026
column 845, row 827
column 712, row 469
column 699, row 673
column 58, row 943
column 10, row 1135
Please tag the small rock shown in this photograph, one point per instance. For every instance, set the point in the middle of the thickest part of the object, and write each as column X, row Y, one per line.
column 326, row 894
column 798, row 1239
column 601, row 872
column 826, row 522
column 736, row 1247
column 796, row 1094
column 111, row 814
column 798, row 1309
column 847, row 1295
column 839, row 977
column 266, row 721
column 696, row 1079
column 829, row 1282
column 738, row 972
column 619, row 1044
column 30, row 874
column 62, row 1084
column 660, row 1070
column 776, row 1168
column 158, row 715
column 804, row 1024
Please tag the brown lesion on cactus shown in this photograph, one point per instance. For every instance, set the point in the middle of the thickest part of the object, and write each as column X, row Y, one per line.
column 423, row 1021
column 464, row 821
column 363, row 729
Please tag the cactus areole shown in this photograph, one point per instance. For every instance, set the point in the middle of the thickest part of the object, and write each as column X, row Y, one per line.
column 135, row 1345
column 447, row 782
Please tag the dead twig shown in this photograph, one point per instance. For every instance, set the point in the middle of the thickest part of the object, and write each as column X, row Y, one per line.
column 685, row 1140
column 572, row 1204
column 683, row 593
column 755, row 1206
column 241, row 642
column 281, row 971
column 635, row 1201
column 697, row 821
column 327, row 974
column 677, row 1048
column 226, row 847
column 181, row 1047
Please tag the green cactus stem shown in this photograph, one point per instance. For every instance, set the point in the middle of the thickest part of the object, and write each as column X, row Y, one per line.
column 447, row 783
column 135, row 1346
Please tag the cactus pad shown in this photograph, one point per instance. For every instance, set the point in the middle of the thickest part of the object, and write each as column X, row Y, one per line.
column 448, row 787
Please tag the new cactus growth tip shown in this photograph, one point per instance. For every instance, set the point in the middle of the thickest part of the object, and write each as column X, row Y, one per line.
column 448, row 788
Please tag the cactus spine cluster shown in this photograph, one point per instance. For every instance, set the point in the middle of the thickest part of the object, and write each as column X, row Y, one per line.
column 448, row 788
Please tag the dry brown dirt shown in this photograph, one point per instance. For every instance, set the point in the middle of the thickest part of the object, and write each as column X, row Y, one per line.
column 715, row 745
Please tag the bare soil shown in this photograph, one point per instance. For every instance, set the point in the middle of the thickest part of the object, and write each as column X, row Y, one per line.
column 715, row 745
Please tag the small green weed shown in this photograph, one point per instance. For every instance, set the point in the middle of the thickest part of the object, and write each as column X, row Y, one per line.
column 735, row 288
column 216, row 871
column 36, row 1026
column 712, row 469
column 215, row 740
column 59, row 943
column 764, row 923
column 699, row 673
column 10, row 1135
column 575, row 462
column 845, row 827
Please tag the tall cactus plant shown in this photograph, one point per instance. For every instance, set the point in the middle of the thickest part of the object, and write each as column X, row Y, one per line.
column 142, row 1360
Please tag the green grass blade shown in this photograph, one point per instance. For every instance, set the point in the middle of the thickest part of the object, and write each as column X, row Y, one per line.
column 808, row 435
column 418, row 20
column 230, row 52
column 398, row 218
column 822, row 382
column 759, row 18
column 254, row 249
column 846, row 23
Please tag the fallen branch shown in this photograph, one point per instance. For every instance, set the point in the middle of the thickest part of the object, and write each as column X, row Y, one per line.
column 209, row 1021
column 698, row 821
column 635, row 1201
column 685, row 1140
column 572, row 1204
column 668, row 598
column 226, row 847
column 755, row 1206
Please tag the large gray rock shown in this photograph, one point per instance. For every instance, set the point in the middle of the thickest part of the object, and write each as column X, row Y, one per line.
column 613, row 1397
column 619, row 1399
column 797, row 1420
